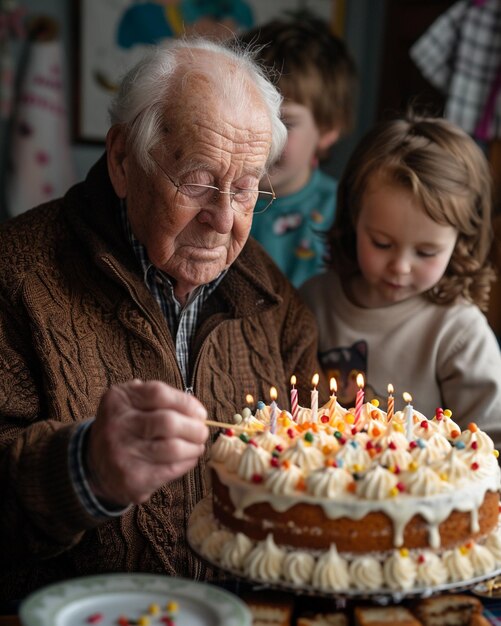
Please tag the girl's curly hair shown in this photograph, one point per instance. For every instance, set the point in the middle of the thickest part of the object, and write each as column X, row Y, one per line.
column 445, row 169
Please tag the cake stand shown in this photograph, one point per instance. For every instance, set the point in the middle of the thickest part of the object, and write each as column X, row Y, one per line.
column 381, row 596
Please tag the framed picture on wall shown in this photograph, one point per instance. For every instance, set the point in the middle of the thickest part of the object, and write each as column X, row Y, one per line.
column 114, row 34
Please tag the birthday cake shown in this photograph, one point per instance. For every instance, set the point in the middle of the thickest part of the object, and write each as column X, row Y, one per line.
column 337, row 500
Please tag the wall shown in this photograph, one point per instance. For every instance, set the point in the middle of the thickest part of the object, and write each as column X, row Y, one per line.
column 364, row 23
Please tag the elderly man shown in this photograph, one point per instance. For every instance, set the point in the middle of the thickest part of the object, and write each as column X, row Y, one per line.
column 129, row 310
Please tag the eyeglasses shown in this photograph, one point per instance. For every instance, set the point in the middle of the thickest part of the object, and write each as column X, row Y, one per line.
column 245, row 201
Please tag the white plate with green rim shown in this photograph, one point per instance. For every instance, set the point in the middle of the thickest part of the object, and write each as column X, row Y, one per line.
column 102, row 600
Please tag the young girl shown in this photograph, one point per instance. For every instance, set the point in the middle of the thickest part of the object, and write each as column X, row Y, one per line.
column 408, row 274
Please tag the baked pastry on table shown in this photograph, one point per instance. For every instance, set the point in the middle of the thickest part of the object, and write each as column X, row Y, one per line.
column 450, row 610
column 382, row 616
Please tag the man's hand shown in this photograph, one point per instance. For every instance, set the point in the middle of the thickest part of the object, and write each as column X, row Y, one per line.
column 145, row 434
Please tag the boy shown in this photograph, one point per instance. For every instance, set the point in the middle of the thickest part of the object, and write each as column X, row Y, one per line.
column 317, row 79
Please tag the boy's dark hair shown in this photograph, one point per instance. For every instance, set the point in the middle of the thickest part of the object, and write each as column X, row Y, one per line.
column 312, row 67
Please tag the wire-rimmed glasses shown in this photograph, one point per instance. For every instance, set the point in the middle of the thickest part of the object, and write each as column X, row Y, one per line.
column 245, row 201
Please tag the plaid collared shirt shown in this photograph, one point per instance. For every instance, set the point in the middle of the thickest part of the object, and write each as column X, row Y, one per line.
column 182, row 322
column 460, row 54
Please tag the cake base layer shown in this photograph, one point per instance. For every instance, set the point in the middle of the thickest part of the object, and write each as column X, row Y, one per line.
column 307, row 526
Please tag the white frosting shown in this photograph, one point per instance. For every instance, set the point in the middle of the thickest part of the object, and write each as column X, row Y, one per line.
column 331, row 572
column 482, row 559
column 354, row 456
column 366, row 572
column 328, row 482
column 264, row 562
column 458, row 565
column 376, row 484
column 235, row 551
column 482, row 440
column 395, row 458
column 305, row 456
column 453, row 468
column 228, row 449
column 424, row 429
column 446, row 427
column 400, row 571
column 255, row 461
column 424, row 482
column 213, row 543
column 298, row 567
column 493, row 543
column 430, row 570
column 268, row 440
column 284, row 480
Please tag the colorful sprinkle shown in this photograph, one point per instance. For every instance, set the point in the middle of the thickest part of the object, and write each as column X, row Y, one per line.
column 257, row 478
column 229, row 432
column 404, row 552
column 455, row 434
column 154, row 609
column 375, row 402
column 309, row 437
column 448, row 413
column 350, row 419
column 472, row 427
column 475, row 466
column 324, row 419
column 95, row 618
column 460, row 445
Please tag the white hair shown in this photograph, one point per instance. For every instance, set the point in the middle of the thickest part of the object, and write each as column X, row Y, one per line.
column 146, row 89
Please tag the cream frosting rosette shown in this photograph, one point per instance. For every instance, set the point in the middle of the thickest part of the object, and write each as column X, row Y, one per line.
column 254, row 461
column 264, row 561
column 235, row 551
column 304, row 455
column 400, row 571
column 331, row 572
column 298, row 567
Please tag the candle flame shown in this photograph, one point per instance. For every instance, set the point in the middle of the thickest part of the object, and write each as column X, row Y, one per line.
column 273, row 393
column 293, row 380
column 333, row 385
column 314, row 380
column 249, row 399
column 360, row 381
column 390, row 388
column 407, row 397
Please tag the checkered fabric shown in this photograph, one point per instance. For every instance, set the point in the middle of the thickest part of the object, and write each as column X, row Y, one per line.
column 460, row 55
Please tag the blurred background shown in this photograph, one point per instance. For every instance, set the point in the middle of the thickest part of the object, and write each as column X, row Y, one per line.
column 60, row 61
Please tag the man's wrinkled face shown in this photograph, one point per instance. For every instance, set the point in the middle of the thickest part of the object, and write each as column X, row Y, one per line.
column 211, row 142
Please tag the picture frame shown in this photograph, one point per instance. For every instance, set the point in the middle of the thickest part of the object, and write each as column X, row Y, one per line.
column 114, row 34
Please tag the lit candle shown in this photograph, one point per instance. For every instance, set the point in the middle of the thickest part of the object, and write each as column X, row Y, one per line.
column 273, row 410
column 294, row 400
column 314, row 398
column 333, row 400
column 360, row 397
column 391, row 403
column 409, row 416
column 250, row 400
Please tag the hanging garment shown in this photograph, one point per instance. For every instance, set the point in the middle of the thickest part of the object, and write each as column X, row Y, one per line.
column 460, row 55
column 40, row 161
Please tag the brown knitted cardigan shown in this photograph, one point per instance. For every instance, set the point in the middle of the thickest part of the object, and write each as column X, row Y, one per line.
column 75, row 318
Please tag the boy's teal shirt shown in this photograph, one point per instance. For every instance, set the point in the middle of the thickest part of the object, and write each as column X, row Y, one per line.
column 291, row 229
